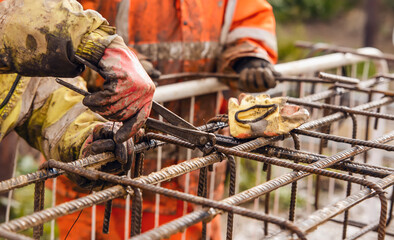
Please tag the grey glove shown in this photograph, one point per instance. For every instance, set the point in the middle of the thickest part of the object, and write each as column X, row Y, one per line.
column 256, row 75
column 100, row 141
column 150, row 69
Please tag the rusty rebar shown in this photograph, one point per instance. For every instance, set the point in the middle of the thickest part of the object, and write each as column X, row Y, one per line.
column 293, row 194
column 136, row 213
column 39, row 196
column 107, row 216
column 342, row 108
column 230, row 216
column 13, row 236
column 307, row 157
column 312, row 221
column 333, row 48
column 349, row 184
column 310, row 169
column 344, row 139
column 94, row 175
column 202, row 192
column 363, row 231
column 365, row 90
column 338, row 78
column 250, row 194
column 43, row 174
column 267, row 199
column 235, row 77
column 46, row 215
column 359, row 225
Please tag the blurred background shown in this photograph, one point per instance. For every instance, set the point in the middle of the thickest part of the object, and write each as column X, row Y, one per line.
column 350, row 23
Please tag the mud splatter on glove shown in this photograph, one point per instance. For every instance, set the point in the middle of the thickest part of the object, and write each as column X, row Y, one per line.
column 262, row 116
column 127, row 92
column 256, row 75
column 100, row 141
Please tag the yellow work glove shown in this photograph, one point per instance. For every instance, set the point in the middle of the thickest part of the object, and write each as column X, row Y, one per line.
column 262, row 116
column 41, row 37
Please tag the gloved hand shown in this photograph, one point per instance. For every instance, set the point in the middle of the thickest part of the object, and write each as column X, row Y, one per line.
column 150, row 69
column 256, row 75
column 262, row 116
column 40, row 38
column 127, row 92
column 100, row 141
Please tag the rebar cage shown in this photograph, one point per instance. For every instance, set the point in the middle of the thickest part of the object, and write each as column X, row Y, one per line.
column 331, row 167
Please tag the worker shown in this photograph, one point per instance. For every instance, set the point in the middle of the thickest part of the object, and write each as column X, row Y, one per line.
column 41, row 38
column 185, row 36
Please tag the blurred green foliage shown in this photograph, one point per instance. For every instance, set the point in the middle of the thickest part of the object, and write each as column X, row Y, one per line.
column 22, row 203
column 302, row 10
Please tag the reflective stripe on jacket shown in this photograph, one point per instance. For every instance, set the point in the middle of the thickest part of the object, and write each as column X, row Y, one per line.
column 185, row 35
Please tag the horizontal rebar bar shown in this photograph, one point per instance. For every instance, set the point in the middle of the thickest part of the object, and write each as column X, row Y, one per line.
column 63, row 209
column 365, row 90
column 338, row 78
column 40, row 175
column 344, row 139
column 269, row 186
column 340, row 115
column 306, row 157
column 359, row 225
column 13, row 236
column 363, row 231
column 324, row 214
column 235, row 77
column 342, row 108
column 333, row 48
column 94, row 175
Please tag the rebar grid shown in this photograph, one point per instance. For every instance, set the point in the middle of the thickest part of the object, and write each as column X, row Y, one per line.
column 337, row 165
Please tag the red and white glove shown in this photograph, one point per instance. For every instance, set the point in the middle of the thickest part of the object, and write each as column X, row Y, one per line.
column 127, row 92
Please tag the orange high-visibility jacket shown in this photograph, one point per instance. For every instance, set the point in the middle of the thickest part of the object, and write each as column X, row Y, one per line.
column 190, row 36
column 185, row 35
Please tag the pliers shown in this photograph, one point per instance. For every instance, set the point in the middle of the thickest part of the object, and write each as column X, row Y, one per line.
column 176, row 127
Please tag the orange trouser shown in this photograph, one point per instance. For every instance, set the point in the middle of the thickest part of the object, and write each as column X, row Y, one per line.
column 82, row 227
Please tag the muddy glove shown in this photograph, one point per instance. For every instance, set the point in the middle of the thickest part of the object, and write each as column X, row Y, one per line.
column 150, row 69
column 40, row 38
column 100, row 141
column 256, row 75
column 127, row 92
column 262, row 116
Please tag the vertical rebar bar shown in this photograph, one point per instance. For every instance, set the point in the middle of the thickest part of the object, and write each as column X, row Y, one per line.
column 349, row 184
column 39, row 196
column 231, row 192
column 293, row 197
column 267, row 199
column 136, row 213
column 202, row 192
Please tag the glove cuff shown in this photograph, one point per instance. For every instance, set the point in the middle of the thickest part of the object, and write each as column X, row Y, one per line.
column 237, row 51
column 93, row 44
